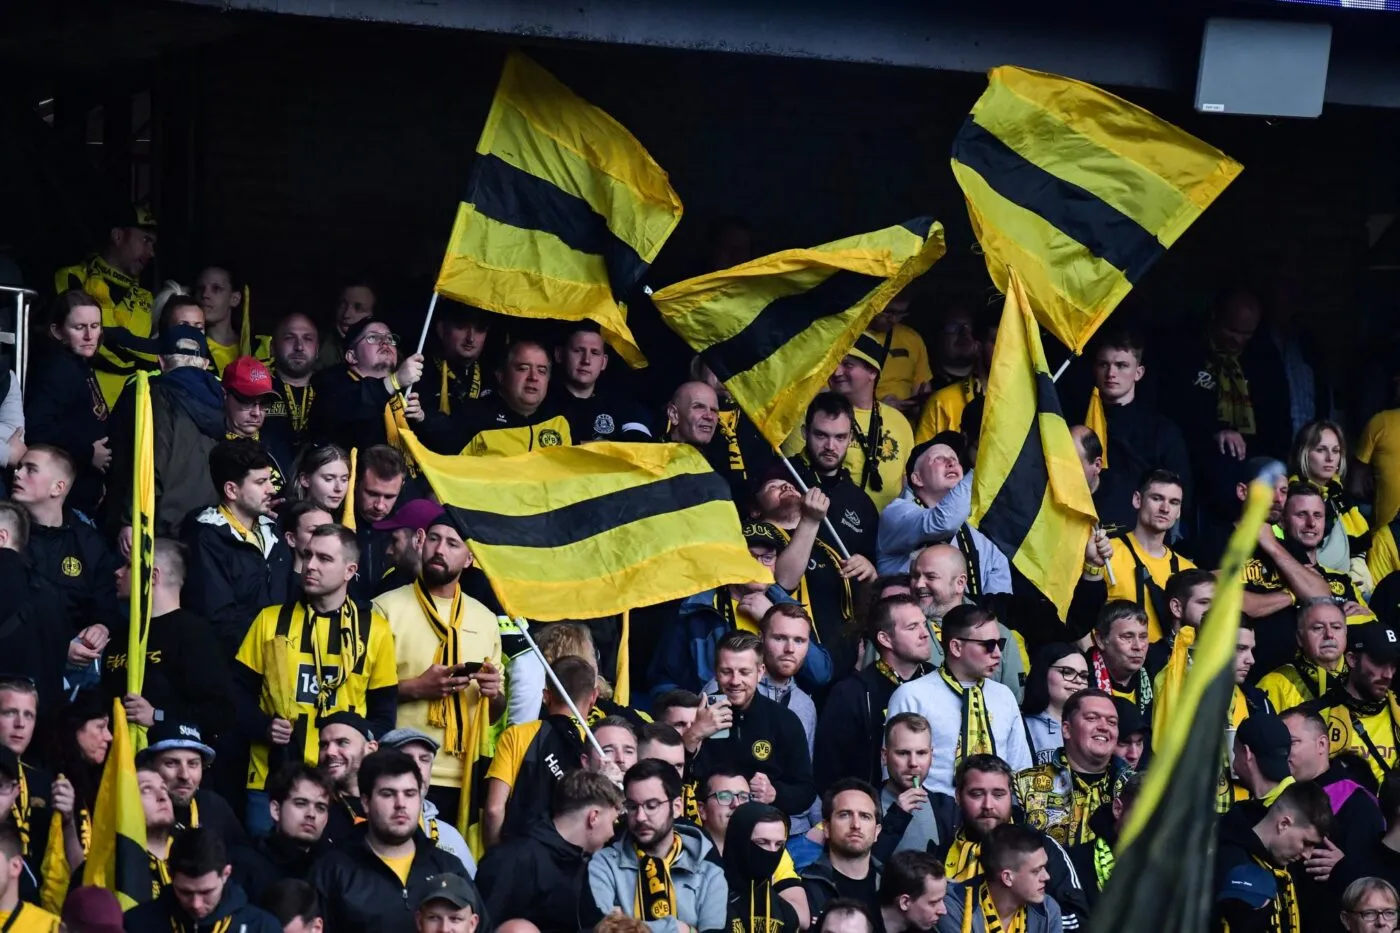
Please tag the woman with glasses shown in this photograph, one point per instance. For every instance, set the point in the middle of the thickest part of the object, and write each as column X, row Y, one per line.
column 1369, row 905
column 1059, row 671
column 323, row 476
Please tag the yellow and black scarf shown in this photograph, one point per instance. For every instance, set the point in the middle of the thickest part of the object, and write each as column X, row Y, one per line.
column 964, row 859
column 1285, row 918
column 1314, row 679
column 298, row 412
column 976, row 738
column 193, row 822
column 220, row 926
column 445, row 379
column 892, row 675
column 344, row 630
column 22, row 810
column 727, row 420
column 448, row 713
column 1233, row 406
column 656, row 892
column 869, row 444
column 1103, row 861
column 991, row 920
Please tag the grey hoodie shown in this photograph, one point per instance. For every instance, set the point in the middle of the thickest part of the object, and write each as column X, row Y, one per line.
column 702, row 894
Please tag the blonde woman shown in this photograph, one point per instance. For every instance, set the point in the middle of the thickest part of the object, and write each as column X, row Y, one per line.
column 1320, row 459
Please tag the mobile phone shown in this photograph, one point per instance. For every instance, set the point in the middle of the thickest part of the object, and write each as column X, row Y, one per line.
column 468, row 669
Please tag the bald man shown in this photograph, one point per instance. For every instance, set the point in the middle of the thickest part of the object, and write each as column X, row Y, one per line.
column 938, row 580
column 693, row 413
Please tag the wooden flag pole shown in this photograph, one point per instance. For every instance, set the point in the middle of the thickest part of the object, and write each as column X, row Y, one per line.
column 559, row 688
column 826, row 520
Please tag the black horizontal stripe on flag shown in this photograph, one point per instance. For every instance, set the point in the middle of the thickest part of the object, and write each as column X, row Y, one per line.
column 783, row 319
column 571, row 524
column 509, row 195
column 1017, row 503
column 919, row 226
column 133, row 869
column 1148, row 878
column 1099, row 226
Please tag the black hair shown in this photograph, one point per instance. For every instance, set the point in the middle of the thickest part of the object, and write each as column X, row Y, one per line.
column 1037, row 690
column 831, row 404
column 231, row 461
column 386, row 763
column 843, row 785
column 284, row 780
column 906, row 874
column 649, row 768
column 292, row 899
column 197, row 852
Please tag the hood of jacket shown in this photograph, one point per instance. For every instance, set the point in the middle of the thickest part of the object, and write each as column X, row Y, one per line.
column 198, row 394
column 561, row 851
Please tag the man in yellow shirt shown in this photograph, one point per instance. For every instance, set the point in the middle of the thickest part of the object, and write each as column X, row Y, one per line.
column 16, row 916
column 905, row 380
column 1319, row 666
column 944, row 409
column 323, row 654
column 882, row 436
column 1378, row 451
column 447, row 650
column 1364, row 717
column 1141, row 562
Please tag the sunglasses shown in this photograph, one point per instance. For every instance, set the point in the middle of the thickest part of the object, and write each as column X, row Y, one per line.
column 988, row 644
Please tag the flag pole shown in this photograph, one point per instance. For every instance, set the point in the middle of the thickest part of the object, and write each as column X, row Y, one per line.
column 559, row 688
column 422, row 337
column 1055, row 378
column 826, row 521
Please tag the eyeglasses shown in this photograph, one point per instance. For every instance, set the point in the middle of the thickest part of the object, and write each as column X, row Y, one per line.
column 381, row 340
column 650, row 806
column 1371, row 916
column 988, row 644
column 728, row 798
column 1071, row 674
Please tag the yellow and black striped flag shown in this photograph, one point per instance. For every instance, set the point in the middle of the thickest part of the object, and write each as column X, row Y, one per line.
column 591, row 531
column 774, row 329
column 143, row 542
column 564, row 210
column 1029, row 494
column 117, row 859
column 1079, row 190
column 1152, row 888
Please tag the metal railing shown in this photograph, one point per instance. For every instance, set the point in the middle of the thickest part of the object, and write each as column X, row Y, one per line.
column 21, row 299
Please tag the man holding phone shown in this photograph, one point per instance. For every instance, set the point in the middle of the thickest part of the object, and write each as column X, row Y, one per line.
column 447, row 648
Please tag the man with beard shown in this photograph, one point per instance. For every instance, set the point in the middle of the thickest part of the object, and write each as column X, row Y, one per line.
column 359, row 894
column 847, row 743
column 340, row 658
column 909, row 821
column 1142, row 563
column 1363, row 716
column 826, row 434
column 516, row 418
column 1012, row 894
column 851, row 812
column 447, row 649
column 1059, row 796
column 237, row 563
column 809, row 568
column 179, row 754
column 345, row 739
column 352, row 400
column 1285, row 573
column 984, row 801
column 455, row 375
column 934, row 510
column 1118, row 657
column 299, row 799
column 424, row 750
column 380, row 476
column 295, row 343
column 406, row 531
column 1318, row 667
column 594, row 415
column 658, row 871
column 938, row 580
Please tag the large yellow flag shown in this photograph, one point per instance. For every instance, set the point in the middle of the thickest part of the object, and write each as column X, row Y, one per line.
column 143, row 511
column 1153, row 889
column 1029, row 494
column 591, row 531
column 774, row 329
column 1079, row 191
column 564, row 210
column 117, row 859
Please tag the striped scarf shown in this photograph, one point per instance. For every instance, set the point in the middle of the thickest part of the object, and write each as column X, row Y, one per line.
column 1233, row 405
column 964, row 859
column 447, row 713
column 656, row 893
column 976, row 738
column 1104, row 681
column 991, row 920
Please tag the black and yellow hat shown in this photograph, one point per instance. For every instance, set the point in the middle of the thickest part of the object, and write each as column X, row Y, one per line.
column 869, row 349
column 763, row 534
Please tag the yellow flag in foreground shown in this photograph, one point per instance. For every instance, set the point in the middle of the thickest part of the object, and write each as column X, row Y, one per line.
column 143, row 511
column 1029, row 494
column 117, row 859
column 1079, row 191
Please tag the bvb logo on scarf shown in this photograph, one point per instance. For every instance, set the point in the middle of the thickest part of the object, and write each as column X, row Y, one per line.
column 656, row 894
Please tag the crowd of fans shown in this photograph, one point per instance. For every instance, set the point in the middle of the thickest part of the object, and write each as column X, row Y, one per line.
column 899, row 734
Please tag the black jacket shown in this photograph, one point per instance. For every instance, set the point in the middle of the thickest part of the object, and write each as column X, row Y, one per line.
column 540, row 877
column 165, row 914
column 604, row 416
column 819, row 881
column 1081, row 855
column 258, row 864
column 348, row 410
column 187, row 673
column 1239, row 845
column 852, row 513
column 63, row 406
column 215, row 814
column 75, row 560
column 30, row 642
column 768, row 738
column 229, row 581
column 361, row 894
column 1139, row 439
column 850, row 729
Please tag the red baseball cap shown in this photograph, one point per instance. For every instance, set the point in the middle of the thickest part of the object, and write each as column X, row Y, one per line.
column 248, row 379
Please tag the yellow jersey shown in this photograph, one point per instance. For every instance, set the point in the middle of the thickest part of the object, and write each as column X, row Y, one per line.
column 1289, row 686
column 1373, row 736
column 1379, row 447
column 944, row 409
column 415, row 648
column 906, row 364
column 312, row 665
column 26, row 918
column 125, row 306
column 1141, row 578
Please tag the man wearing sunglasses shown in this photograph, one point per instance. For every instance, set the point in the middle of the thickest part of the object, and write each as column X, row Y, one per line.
column 350, row 401
column 970, row 713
